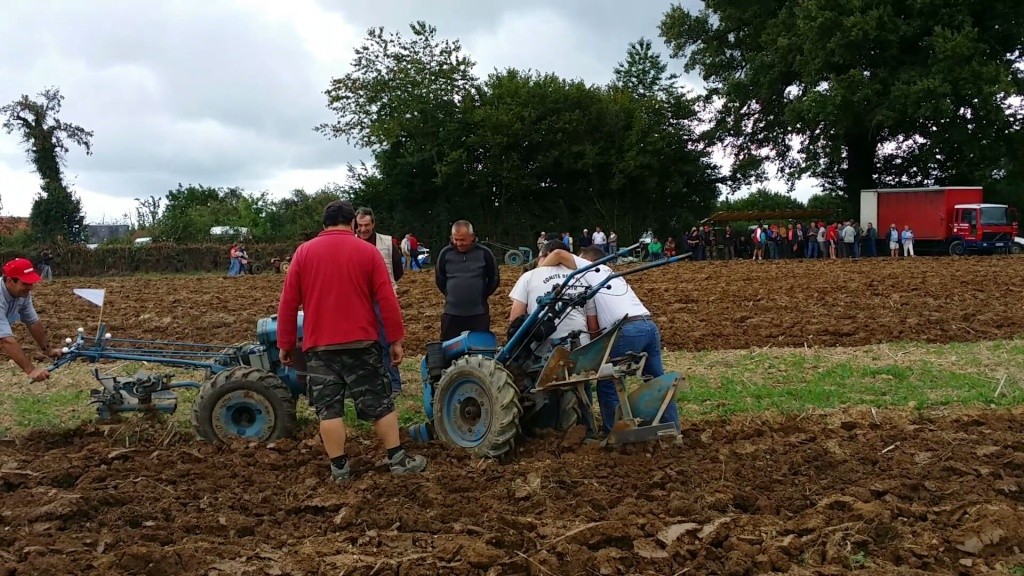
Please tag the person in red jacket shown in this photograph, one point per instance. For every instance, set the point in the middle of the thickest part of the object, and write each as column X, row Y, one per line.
column 336, row 278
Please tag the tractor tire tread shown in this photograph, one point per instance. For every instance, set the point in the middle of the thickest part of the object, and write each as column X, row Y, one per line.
column 501, row 440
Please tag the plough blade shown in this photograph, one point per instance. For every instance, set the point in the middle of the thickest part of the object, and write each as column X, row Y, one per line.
column 625, row 433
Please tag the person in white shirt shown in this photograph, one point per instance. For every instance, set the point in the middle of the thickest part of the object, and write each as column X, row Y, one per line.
column 639, row 333
column 540, row 281
column 600, row 240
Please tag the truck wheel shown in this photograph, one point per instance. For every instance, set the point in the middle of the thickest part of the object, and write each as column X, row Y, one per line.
column 956, row 248
column 244, row 403
column 1016, row 248
column 476, row 407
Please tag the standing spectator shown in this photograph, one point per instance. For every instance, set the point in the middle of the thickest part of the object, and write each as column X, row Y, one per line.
column 340, row 282
column 235, row 266
column 567, row 240
column 414, row 251
column 693, row 241
column 908, row 241
column 585, row 240
column 366, row 228
column 45, row 260
column 730, row 242
column 613, row 242
column 600, row 240
column 894, row 241
column 832, row 235
column 812, row 240
column 467, row 274
column 858, row 239
column 702, row 243
column 796, row 240
column 822, row 240
column 406, row 254
column 871, row 235
column 541, row 240
column 849, row 240
column 757, row 241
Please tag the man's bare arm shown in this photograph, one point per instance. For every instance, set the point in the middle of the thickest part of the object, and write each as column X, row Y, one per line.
column 559, row 257
column 13, row 351
column 39, row 335
column 518, row 309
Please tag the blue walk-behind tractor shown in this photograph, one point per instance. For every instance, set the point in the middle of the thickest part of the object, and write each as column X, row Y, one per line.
column 246, row 394
column 482, row 398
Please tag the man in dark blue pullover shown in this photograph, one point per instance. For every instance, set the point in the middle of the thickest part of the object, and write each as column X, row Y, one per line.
column 467, row 274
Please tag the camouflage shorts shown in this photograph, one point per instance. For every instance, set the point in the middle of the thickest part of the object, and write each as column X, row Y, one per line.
column 359, row 372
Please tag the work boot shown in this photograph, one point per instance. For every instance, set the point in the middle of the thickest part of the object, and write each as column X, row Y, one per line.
column 341, row 475
column 403, row 463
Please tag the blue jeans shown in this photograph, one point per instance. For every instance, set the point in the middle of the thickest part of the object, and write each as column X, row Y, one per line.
column 812, row 249
column 636, row 336
column 396, row 376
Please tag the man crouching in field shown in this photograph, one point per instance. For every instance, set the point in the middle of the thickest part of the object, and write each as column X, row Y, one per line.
column 18, row 279
column 337, row 278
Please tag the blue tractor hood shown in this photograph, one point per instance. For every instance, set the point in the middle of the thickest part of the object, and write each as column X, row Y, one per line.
column 266, row 331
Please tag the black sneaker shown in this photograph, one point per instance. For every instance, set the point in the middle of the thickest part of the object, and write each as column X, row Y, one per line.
column 403, row 463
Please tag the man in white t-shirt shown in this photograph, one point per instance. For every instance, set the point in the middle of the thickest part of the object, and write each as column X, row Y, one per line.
column 639, row 333
column 540, row 281
column 600, row 240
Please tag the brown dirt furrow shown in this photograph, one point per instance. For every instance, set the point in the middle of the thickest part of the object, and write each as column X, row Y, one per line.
column 917, row 493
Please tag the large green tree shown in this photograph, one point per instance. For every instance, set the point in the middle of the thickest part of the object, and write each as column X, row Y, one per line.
column 517, row 152
column 859, row 93
column 56, row 210
column 191, row 211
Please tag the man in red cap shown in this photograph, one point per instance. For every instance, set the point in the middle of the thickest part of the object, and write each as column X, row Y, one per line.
column 16, row 291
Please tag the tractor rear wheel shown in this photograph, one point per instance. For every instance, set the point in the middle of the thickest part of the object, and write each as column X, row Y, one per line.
column 244, row 403
column 476, row 407
column 514, row 258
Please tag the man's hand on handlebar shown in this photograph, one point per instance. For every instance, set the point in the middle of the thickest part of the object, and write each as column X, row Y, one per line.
column 54, row 353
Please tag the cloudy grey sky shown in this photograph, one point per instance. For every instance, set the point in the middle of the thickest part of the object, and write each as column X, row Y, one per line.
column 226, row 92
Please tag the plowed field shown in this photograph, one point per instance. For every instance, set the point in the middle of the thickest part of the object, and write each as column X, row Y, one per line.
column 698, row 305
column 885, row 493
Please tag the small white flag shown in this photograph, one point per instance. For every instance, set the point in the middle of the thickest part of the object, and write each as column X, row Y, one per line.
column 94, row 295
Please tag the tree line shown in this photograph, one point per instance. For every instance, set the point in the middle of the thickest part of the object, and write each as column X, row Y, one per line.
column 857, row 95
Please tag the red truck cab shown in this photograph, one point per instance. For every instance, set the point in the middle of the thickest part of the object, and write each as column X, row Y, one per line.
column 983, row 227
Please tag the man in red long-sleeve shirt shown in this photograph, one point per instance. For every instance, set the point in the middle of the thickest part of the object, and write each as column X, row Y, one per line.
column 337, row 278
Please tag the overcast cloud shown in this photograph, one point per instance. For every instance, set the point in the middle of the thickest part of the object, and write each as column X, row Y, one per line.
column 226, row 92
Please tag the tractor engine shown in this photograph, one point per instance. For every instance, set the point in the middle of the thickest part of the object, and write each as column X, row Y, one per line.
column 266, row 336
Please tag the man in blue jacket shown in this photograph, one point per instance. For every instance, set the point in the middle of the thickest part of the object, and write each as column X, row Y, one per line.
column 467, row 274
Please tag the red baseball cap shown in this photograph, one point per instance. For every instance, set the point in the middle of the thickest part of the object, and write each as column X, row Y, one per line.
column 21, row 269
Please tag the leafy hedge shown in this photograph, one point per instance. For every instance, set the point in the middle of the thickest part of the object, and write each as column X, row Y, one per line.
column 117, row 260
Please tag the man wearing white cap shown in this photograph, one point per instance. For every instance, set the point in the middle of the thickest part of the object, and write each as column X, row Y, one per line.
column 16, row 291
